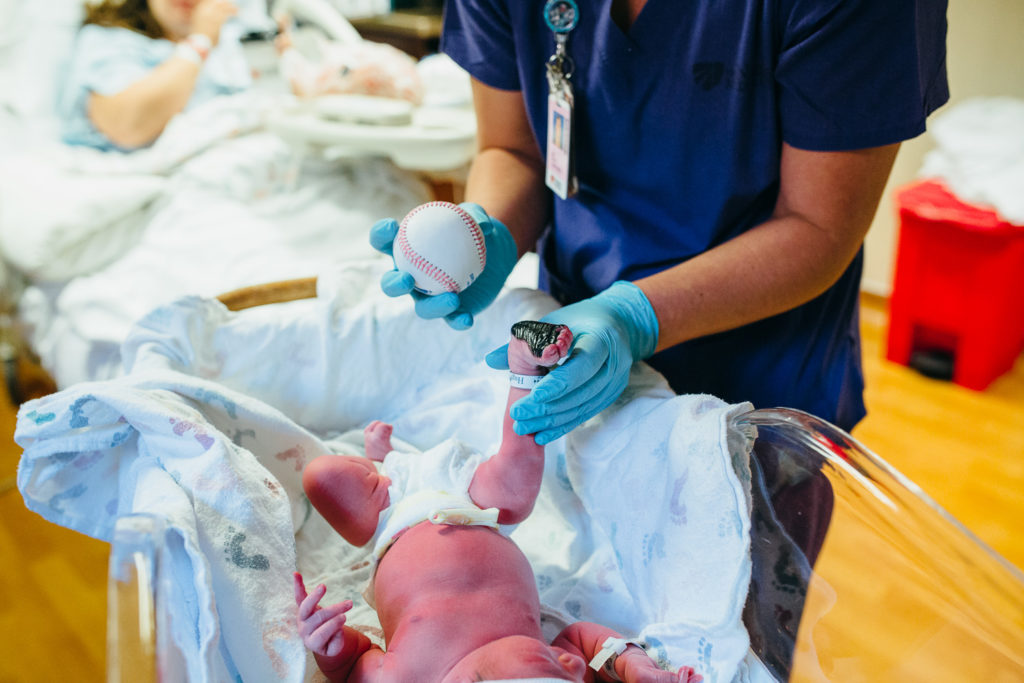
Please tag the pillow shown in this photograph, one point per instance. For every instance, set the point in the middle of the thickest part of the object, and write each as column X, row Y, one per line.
column 36, row 39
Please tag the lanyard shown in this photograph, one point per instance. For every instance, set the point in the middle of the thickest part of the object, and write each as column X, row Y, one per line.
column 561, row 16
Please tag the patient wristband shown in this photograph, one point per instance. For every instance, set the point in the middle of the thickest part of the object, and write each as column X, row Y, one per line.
column 195, row 48
column 611, row 648
column 527, row 382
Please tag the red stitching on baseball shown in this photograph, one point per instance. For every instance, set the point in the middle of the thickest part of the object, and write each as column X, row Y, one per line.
column 475, row 231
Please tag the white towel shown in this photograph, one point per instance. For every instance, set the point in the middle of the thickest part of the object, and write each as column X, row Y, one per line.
column 642, row 522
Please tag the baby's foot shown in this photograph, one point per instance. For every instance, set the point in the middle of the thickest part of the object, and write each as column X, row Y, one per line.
column 536, row 346
column 377, row 439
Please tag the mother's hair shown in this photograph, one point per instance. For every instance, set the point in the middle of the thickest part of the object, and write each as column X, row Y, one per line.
column 130, row 14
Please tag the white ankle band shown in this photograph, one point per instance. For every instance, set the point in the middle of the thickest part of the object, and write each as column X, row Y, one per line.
column 527, row 382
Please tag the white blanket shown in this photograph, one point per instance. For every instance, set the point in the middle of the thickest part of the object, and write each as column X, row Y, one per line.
column 642, row 523
column 216, row 204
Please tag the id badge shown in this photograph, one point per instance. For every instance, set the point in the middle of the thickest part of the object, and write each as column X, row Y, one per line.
column 559, row 174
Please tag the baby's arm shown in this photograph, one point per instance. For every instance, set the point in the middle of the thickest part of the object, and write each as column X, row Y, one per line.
column 339, row 650
column 510, row 479
column 632, row 666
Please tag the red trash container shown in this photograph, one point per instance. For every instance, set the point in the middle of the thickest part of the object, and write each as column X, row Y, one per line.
column 959, row 285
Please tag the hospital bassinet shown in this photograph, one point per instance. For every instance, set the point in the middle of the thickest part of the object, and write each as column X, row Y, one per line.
column 858, row 575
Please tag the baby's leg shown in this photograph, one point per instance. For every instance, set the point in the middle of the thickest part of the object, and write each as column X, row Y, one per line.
column 349, row 493
column 377, row 438
column 510, row 479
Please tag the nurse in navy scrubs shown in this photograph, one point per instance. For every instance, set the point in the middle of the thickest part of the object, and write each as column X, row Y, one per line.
column 725, row 161
column 721, row 163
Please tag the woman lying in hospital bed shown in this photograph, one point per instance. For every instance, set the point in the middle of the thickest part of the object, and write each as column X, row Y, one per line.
column 458, row 600
column 139, row 63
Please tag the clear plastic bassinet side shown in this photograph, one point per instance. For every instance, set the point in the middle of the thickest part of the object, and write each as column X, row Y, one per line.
column 139, row 647
column 860, row 576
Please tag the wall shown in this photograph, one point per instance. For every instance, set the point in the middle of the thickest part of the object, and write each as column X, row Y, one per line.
column 985, row 57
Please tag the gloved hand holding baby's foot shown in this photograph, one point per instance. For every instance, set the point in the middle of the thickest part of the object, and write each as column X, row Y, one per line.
column 612, row 330
column 320, row 627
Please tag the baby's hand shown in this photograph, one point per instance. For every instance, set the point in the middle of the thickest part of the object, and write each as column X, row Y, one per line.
column 642, row 669
column 320, row 627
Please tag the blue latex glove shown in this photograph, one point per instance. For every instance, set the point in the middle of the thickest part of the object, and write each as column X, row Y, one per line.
column 457, row 309
column 610, row 330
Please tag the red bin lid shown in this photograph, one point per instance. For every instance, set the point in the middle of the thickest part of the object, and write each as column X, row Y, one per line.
column 932, row 200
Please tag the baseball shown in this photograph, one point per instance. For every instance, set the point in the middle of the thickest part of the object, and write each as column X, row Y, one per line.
column 441, row 246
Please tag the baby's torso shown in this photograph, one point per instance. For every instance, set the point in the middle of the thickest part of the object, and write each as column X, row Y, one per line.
column 452, row 583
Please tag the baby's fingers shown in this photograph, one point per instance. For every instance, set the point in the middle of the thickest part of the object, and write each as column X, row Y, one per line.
column 309, row 603
column 328, row 638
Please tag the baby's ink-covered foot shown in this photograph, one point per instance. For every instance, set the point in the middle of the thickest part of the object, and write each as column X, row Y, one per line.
column 377, row 439
column 536, row 346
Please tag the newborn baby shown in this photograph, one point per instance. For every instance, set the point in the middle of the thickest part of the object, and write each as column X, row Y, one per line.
column 456, row 598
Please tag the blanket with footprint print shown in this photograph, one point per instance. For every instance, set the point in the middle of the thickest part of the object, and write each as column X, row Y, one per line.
column 642, row 522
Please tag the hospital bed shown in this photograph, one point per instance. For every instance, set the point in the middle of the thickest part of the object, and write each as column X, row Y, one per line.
column 854, row 573
column 252, row 187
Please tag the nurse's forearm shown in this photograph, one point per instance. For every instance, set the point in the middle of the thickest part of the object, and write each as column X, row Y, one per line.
column 510, row 187
column 826, row 203
column 138, row 114
column 771, row 269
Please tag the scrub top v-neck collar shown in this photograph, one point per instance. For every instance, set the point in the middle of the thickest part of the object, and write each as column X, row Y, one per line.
column 642, row 32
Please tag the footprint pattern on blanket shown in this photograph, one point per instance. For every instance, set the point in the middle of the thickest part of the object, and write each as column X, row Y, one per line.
column 234, row 552
column 208, row 398
column 653, row 547
column 704, row 648
column 57, row 501
column 604, row 572
column 78, row 418
column 40, row 418
column 86, row 460
column 730, row 525
column 180, row 427
column 277, row 631
column 236, row 438
column 676, row 504
column 296, row 453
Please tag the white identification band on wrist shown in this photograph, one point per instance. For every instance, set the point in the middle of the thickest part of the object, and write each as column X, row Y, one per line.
column 195, row 47
column 186, row 51
column 611, row 648
column 527, row 382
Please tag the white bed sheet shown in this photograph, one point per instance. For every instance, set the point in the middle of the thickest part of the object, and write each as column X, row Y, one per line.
column 230, row 205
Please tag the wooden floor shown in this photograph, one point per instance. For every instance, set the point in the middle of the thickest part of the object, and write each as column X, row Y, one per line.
column 964, row 448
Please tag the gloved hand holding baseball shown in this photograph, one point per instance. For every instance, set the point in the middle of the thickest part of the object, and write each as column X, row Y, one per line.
column 612, row 329
column 457, row 309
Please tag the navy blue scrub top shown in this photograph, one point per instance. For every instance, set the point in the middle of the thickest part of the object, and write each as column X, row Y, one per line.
column 678, row 133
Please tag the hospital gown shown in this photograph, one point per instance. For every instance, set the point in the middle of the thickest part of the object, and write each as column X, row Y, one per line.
column 107, row 60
